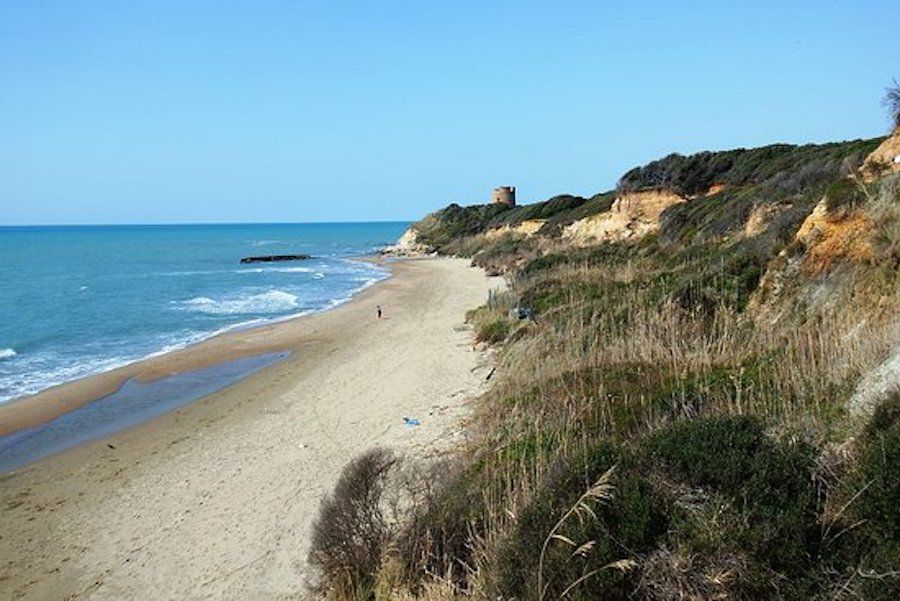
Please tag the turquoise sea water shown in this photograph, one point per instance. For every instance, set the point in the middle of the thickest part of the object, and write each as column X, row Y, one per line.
column 84, row 299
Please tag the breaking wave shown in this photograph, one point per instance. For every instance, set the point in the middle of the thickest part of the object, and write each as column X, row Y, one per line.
column 274, row 301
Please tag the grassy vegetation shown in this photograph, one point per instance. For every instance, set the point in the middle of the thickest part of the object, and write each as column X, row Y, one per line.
column 779, row 167
column 664, row 430
column 447, row 230
column 865, row 532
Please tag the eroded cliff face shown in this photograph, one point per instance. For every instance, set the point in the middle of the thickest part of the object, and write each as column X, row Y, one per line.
column 524, row 229
column 884, row 160
column 829, row 237
column 761, row 218
column 712, row 190
column 801, row 272
column 632, row 216
column 408, row 245
column 838, row 257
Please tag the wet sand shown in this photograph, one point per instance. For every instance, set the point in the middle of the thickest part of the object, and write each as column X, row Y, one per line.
column 214, row 500
column 134, row 403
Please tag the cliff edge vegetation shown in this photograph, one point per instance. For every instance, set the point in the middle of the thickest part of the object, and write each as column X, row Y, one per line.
column 696, row 395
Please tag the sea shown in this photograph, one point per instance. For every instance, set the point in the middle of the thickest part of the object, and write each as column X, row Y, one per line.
column 79, row 300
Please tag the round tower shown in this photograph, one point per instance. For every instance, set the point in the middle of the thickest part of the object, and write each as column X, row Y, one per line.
column 505, row 195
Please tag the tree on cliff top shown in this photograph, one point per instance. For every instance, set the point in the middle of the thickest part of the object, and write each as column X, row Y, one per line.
column 892, row 102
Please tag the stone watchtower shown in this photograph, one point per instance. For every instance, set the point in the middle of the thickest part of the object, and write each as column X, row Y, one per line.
column 505, row 195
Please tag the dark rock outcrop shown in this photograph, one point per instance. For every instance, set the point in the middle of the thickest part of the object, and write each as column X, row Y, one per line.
column 275, row 258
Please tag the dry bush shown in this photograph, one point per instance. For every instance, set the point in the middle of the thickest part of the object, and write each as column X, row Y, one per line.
column 441, row 542
column 891, row 102
column 676, row 574
column 884, row 211
column 583, row 509
column 492, row 322
column 352, row 529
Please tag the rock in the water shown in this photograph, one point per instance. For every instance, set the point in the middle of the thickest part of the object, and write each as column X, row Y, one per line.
column 275, row 258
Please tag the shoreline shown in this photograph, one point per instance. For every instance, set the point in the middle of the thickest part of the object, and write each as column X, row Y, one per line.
column 134, row 403
column 131, row 515
column 39, row 409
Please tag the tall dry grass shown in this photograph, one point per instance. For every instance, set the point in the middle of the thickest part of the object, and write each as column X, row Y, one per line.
column 617, row 354
column 584, row 373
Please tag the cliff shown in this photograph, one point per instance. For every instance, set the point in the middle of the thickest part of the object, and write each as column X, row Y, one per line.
column 884, row 160
column 633, row 215
column 696, row 390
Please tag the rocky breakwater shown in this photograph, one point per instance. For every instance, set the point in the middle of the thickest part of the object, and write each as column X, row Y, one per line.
column 275, row 258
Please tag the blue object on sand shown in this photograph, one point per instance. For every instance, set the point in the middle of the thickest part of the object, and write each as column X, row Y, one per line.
column 410, row 421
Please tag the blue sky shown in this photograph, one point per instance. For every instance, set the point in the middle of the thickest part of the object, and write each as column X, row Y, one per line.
column 146, row 112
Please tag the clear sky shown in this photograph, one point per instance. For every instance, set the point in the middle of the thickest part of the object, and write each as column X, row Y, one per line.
column 189, row 111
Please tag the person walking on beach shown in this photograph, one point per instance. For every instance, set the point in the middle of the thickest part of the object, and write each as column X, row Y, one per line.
column 378, row 311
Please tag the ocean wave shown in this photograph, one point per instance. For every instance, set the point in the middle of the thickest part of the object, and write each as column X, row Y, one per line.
column 247, row 270
column 191, row 272
column 32, row 372
column 46, row 370
column 293, row 270
column 273, row 301
column 368, row 283
column 277, row 270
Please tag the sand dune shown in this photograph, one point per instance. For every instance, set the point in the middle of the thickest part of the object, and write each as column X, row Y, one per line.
column 215, row 500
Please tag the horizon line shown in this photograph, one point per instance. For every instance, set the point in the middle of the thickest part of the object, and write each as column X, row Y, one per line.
column 185, row 223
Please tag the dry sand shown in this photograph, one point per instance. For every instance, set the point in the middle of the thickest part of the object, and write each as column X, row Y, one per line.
column 215, row 500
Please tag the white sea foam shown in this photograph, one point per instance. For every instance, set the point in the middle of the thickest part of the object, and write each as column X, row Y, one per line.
column 277, row 270
column 41, row 371
column 273, row 301
column 191, row 272
column 46, row 370
column 293, row 270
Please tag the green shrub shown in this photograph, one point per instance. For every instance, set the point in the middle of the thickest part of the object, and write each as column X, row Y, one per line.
column 447, row 228
column 610, row 254
column 707, row 276
column 540, row 210
column 443, row 227
column 490, row 321
column 627, row 524
column 493, row 331
column 873, row 544
column 496, row 256
column 785, row 166
column 844, row 193
column 769, row 483
column 437, row 535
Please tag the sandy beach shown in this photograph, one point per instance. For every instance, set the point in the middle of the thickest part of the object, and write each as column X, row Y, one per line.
column 215, row 500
